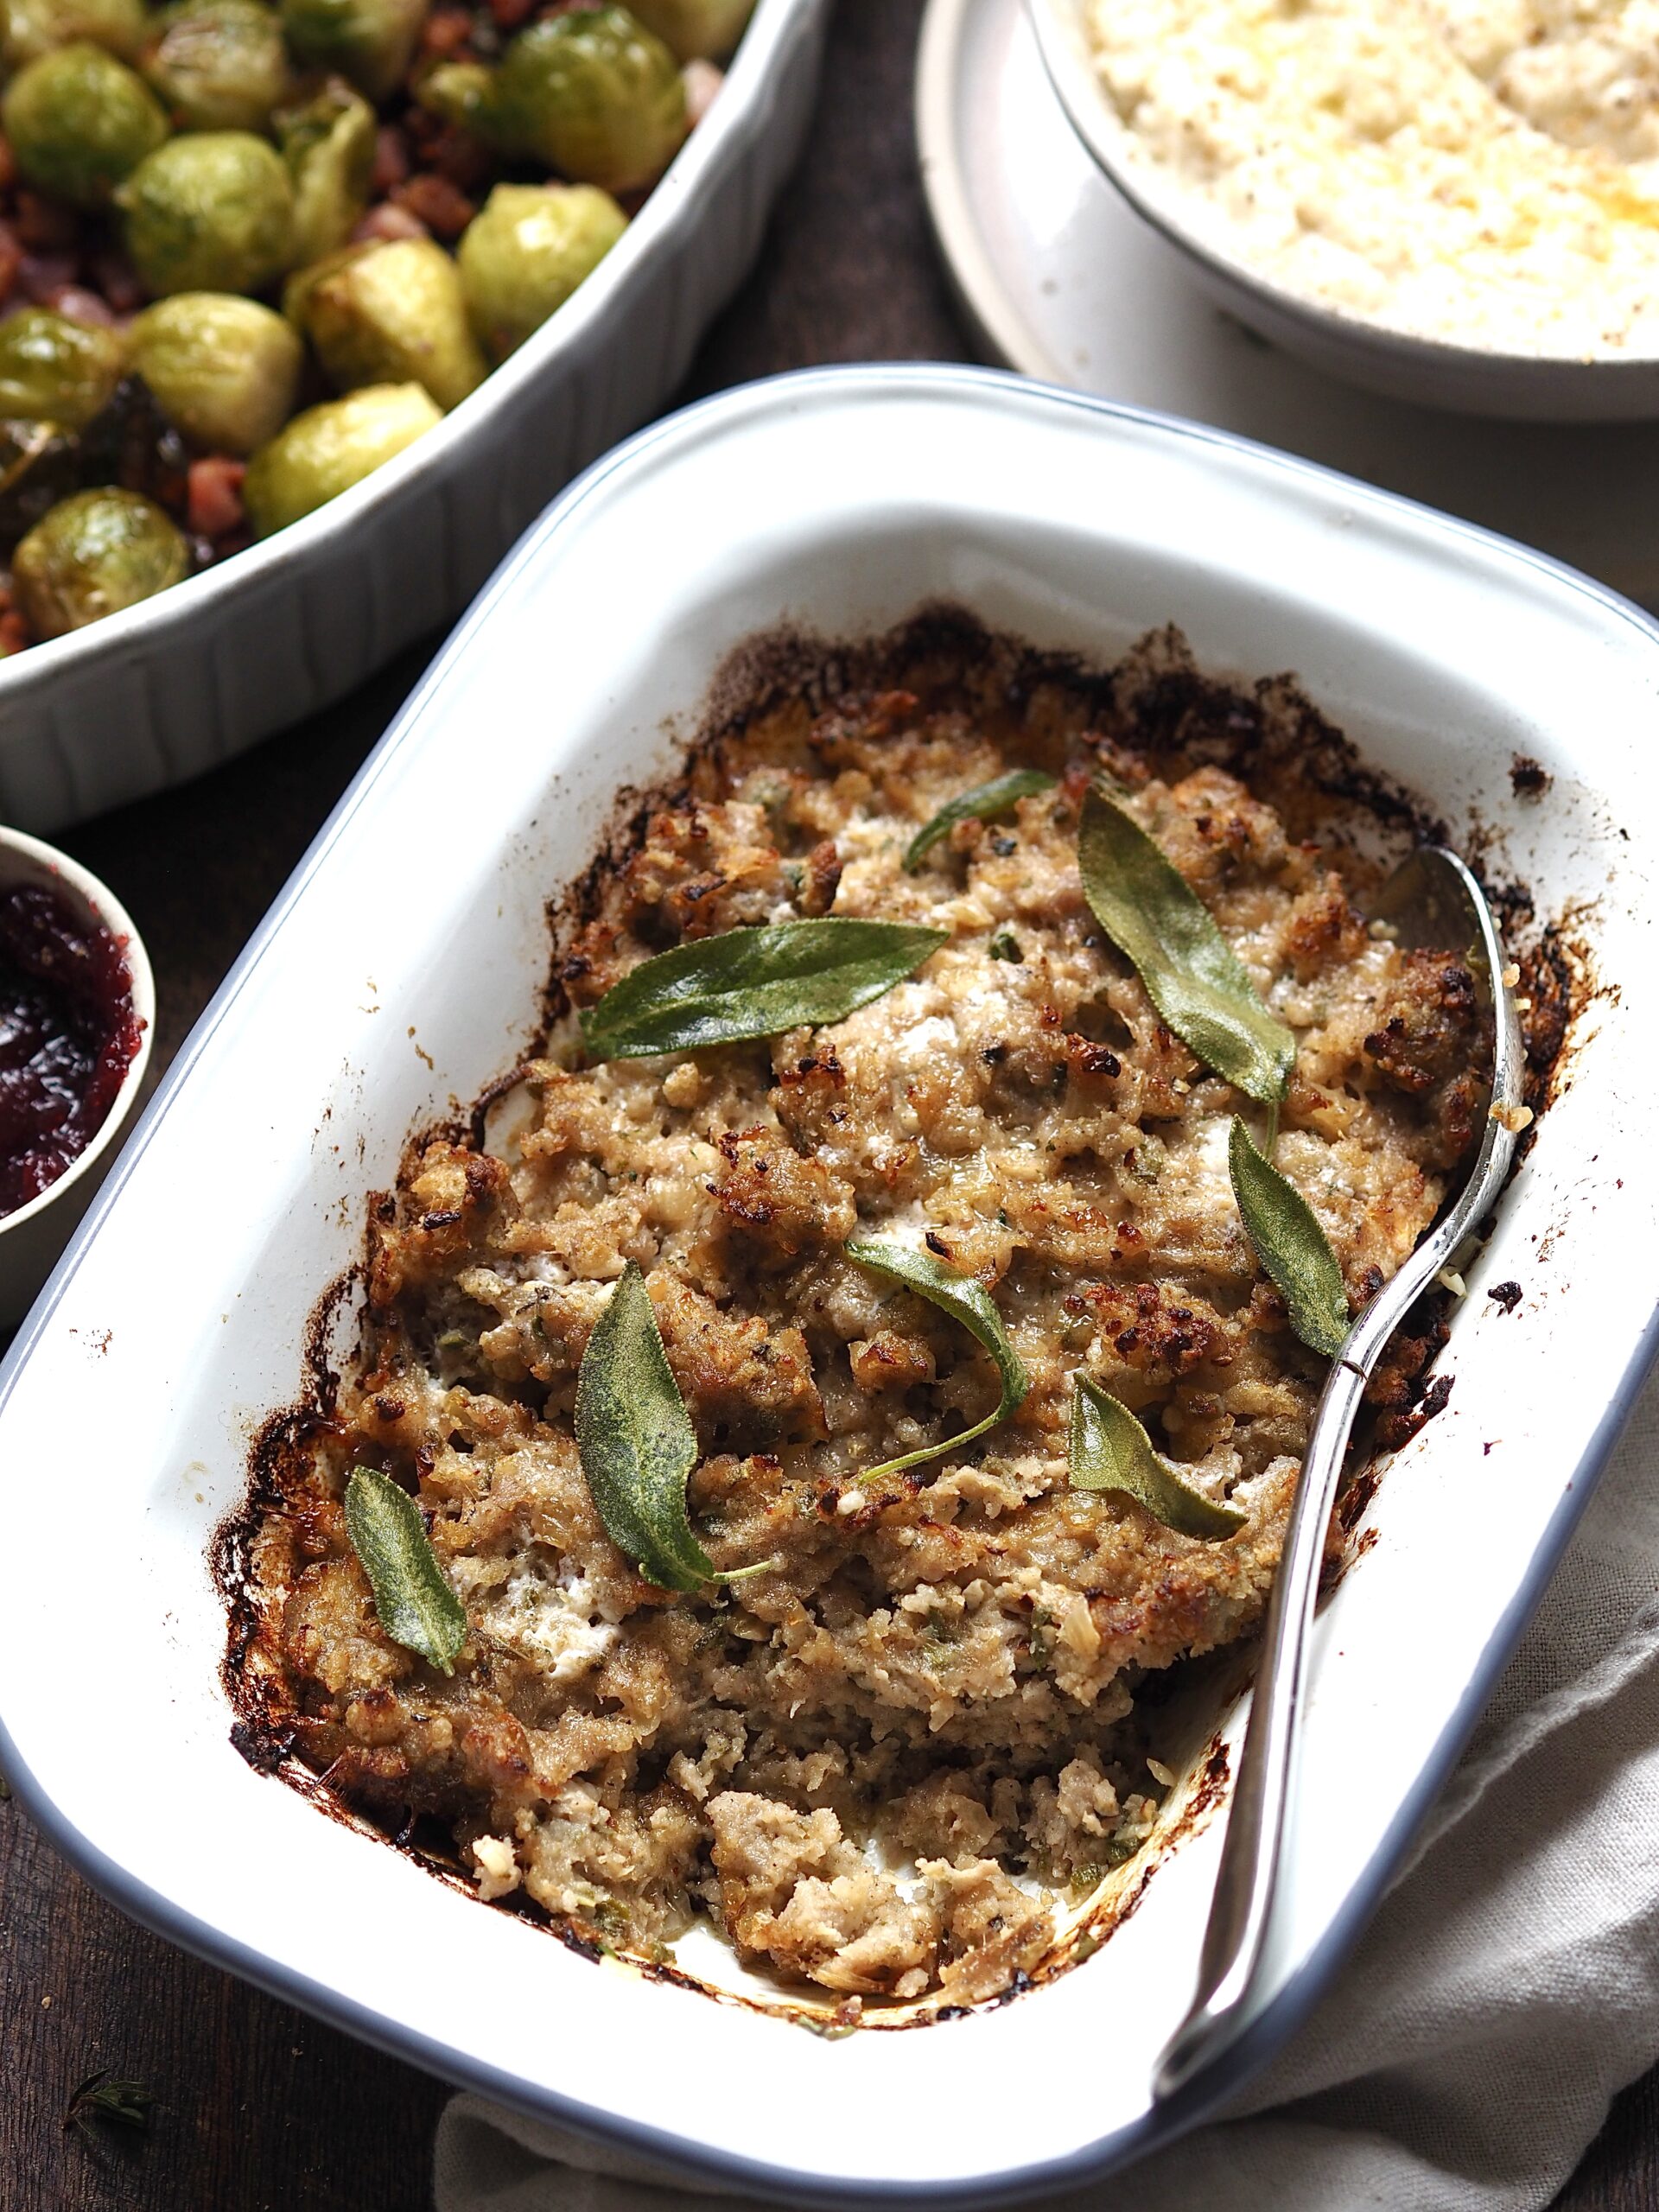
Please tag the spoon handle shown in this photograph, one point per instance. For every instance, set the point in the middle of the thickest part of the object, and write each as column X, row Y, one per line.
column 1248, row 1878
column 1230, row 1963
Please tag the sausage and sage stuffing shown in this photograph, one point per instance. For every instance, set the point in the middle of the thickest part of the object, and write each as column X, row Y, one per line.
column 934, row 1669
column 248, row 252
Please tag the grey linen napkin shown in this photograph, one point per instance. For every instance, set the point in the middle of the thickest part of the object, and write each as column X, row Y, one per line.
column 1507, row 1987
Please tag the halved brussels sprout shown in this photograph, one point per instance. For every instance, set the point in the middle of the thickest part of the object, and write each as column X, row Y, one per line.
column 703, row 30
column 328, row 144
column 92, row 554
column 209, row 212
column 54, row 368
column 218, row 65
column 526, row 250
column 324, row 451
column 130, row 442
column 31, row 27
column 39, row 464
column 592, row 95
column 79, row 121
column 389, row 312
column 225, row 370
column 371, row 42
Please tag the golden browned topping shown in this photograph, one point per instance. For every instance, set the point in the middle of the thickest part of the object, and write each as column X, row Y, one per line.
column 938, row 1668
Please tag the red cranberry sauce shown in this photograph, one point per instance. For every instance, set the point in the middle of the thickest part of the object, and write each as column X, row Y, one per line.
column 67, row 1036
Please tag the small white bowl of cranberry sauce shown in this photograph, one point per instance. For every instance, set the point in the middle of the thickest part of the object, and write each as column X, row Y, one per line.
column 77, row 1014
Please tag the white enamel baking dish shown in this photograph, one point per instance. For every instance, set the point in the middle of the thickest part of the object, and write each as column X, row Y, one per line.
column 1435, row 372
column 401, row 968
column 182, row 681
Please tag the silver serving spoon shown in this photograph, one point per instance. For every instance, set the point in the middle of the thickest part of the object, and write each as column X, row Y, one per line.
column 1432, row 900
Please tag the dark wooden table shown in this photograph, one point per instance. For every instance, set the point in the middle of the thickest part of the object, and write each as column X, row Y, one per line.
column 256, row 2107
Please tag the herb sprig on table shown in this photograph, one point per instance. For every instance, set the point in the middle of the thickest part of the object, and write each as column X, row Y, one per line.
column 111, row 2099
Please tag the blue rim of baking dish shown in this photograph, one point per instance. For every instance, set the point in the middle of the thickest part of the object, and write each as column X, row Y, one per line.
column 1307, row 1983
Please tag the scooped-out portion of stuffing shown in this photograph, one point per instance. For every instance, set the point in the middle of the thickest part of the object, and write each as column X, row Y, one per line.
column 881, row 1761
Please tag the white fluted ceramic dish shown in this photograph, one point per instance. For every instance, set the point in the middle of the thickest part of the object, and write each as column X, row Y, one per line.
column 381, row 986
column 181, row 682
column 1473, row 380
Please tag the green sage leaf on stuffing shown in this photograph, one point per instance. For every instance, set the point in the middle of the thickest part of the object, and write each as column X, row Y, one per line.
column 754, row 982
column 1001, row 796
column 1193, row 975
column 416, row 1606
column 1109, row 1450
column 965, row 1301
column 1287, row 1240
column 637, row 1443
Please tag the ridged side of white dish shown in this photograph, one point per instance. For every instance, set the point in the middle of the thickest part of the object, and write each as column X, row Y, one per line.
column 177, row 684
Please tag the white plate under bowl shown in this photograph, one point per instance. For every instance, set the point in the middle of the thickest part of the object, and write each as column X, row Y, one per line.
column 178, row 684
column 1439, row 372
column 403, row 965
column 1062, row 280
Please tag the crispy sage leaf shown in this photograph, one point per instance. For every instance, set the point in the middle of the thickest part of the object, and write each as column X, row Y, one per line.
column 754, row 982
column 1290, row 1244
column 964, row 1301
column 1001, row 796
column 1109, row 1450
column 416, row 1606
column 637, row 1443
column 1191, row 973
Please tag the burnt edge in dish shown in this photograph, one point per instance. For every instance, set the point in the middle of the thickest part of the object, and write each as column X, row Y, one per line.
column 1558, row 977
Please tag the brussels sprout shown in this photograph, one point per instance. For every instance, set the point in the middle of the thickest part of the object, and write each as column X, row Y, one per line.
column 527, row 251
column 328, row 145
column 388, row 312
column 54, row 368
column 371, row 42
column 696, row 29
column 225, row 370
column 210, row 211
column 92, row 554
column 459, row 92
column 218, row 65
column 590, row 94
column 79, row 121
column 324, row 451
column 31, row 27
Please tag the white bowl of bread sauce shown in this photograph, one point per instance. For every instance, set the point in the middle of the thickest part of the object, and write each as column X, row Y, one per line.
column 1401, row 200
